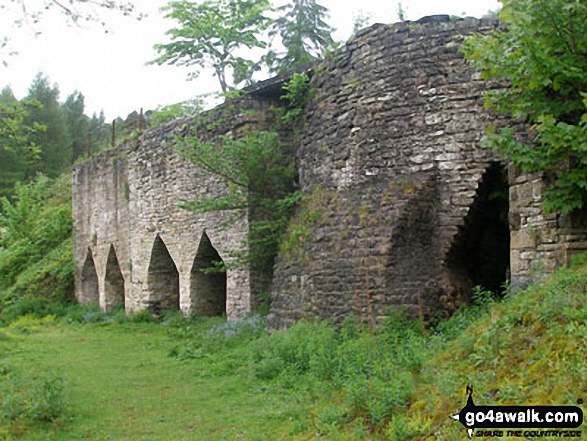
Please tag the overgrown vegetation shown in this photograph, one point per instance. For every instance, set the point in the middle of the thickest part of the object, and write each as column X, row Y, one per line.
column 40, row 134
column 541, row 53
column 36, row 262
column 217, row 34
column 309, row 382
column 29, row 398
column 258, row 169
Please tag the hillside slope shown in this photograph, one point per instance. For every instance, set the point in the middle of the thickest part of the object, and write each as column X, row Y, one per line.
column 36, row 263
column 530, row 349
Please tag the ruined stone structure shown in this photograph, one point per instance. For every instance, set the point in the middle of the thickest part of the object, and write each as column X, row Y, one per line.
column 133, row 244
column 400, row 206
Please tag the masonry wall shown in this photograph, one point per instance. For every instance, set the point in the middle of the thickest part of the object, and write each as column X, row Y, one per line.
column 129, row 199
column 101, row 220
column 398, row 194
column 401, row 207
column 540, row 242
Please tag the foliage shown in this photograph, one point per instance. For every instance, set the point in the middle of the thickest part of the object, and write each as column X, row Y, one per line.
column 373, row 372
column 184, row 109
column 312, row 380
column 142, row 392
column 35, row 244
column 13, row 132
column 259, row 175
column 297, row 94
column 29, row 398
column 259, row 178
column 55, row 153
column 541, row 51
column 38, row 134
column 30, row 323
column 74, row 10
column 522, row 350
column 304, row 34
column 200, row 337
column 31, row 13
column 211, row 33
column 214, row 34
column 251, row 163
column 18, row 148
column 77, row 124
column 361, row 20
column 101, row 132
column 401, row 12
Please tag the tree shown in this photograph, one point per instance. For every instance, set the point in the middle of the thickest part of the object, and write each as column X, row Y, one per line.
column 360, row 21
column 17, row 145
column 258, row 170
column 211, row 33
column 541, row 52
column 77, row 123
column 304, row 34
column 55, row 155
column 100, row 131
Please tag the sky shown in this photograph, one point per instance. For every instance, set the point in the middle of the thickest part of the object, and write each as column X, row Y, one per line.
column 109, row 68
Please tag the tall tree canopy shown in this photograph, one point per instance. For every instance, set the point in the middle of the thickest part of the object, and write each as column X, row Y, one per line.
column 304, row 35
column 77, row 123
column 209, row 34
column 214, row 33
column 55, row 155
column 541, row 50
column 13, row 141
column 38, row 134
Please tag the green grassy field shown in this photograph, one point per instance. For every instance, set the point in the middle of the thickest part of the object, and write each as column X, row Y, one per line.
column 123, row 386
column 205, row 379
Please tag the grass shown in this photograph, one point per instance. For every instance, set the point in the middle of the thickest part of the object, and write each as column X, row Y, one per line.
column 135, row 379
column 529, row 349
column 123, row 385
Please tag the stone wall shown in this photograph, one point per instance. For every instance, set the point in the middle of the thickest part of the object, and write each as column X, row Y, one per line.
column 134, row 243
column 402, row 207
column 540, row 242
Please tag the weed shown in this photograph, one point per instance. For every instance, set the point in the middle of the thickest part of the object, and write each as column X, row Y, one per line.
column 30, row 323
column 29, row 398
column 142, row 316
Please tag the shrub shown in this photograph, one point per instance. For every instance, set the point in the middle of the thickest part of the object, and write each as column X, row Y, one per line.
column 36, row 262
column 374, row 370
column 31, row 323
column 30, row 305
column 30, row 398
column 202, row 336
column 142, row 316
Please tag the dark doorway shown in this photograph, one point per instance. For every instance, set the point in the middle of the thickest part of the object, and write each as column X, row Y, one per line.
column 208, row 280
column 162, row 279
column 481, row 249
column 90, row 292
column 113, row 282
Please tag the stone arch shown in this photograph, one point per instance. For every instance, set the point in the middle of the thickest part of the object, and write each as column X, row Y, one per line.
column 162, row 279
column 113, row 282
column 208, row 280
column 89, row 287
column 480, row 252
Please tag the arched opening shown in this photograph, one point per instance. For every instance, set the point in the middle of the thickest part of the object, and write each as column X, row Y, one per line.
column 162, row 279
column 89, row 288
column 480, row 254
column 113, row 282
column 208, row 280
